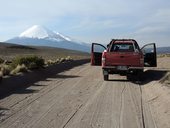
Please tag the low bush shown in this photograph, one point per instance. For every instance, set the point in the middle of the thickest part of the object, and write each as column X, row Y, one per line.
column 62, row 60
column 23, row 64
column 58, row 61
column 168, row 55
column 19, row 68
column 1, row 61
column 51, row 62
column 68, row 58
column 5, row 69
column 31, row 62
column 163, row 55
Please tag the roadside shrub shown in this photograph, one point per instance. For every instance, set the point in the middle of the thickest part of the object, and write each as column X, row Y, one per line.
column 31, row 62
column 68, row 58
column 19, row 68
column 57, row 61
column 1, row 74
column 51, row 62
column 33, row 65
column 62, row 60
column 161, row 55
column 168, row 55
column 1, row 61
column 5, row 69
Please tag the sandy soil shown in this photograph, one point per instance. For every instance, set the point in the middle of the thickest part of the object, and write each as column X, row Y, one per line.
column 79, row 98
column 157, row 95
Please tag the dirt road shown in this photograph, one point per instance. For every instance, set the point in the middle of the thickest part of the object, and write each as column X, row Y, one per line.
column 79, row 98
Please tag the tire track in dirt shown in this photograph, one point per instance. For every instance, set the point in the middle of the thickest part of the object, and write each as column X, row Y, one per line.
column 18, row 102
column 68, row 83
column 85, row 101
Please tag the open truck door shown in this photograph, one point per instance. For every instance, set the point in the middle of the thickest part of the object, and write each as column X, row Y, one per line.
column 150, row 57
column 96, row 54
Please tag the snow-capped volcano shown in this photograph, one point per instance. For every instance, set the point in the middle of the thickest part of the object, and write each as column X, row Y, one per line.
column 42, row 36
column 41, row 32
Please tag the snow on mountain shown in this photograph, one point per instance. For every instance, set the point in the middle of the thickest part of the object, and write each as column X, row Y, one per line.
column 37, row 31
column 42, row 36
column 40, row 32
column 62, row 36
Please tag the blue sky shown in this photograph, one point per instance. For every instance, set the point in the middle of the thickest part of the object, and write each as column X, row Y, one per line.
column 146, row 21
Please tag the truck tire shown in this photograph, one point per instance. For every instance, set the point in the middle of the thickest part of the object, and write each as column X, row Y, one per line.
column 140, row 75
column 136, row 76
column 106, row 77
column 129, row 77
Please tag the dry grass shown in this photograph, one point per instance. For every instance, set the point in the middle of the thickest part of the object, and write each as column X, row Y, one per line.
column 16, row 58
column 18, row 69
column 163, row 55
column 5, row 69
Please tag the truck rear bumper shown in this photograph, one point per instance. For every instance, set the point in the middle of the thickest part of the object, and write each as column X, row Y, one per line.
column 121, row 69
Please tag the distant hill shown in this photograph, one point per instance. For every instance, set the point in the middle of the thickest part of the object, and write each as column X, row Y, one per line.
column 163, row 50
column 9, row 51
column 41, row 36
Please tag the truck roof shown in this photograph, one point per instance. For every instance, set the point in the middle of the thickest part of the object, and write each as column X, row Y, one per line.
column 129, row 42
column 123, row 41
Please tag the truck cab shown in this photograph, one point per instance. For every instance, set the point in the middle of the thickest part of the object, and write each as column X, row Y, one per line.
column 123, row 56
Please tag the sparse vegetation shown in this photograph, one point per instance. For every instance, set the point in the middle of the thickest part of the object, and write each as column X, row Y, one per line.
column 1, row 61
column 31, row 62
column 68, row 58
column 18, row 69
column 51, row 62
column 60, row 60
column 5, row 69
column 163, row 55
column 24, row 63
column 11, row 61
column 168, row 55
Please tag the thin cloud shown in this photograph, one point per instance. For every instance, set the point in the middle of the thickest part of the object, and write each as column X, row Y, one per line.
column 89, row 20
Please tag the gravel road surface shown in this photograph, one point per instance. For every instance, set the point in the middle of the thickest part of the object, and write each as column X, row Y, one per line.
column 80, row 98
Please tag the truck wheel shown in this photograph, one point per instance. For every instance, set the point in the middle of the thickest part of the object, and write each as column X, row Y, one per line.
column 129, row 77
column 106, row 77
column 140, row 75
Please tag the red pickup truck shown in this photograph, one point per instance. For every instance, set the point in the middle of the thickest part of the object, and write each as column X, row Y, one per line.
column 123, row 56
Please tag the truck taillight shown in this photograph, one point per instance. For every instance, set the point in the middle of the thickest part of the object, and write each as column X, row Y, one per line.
column 103, row 60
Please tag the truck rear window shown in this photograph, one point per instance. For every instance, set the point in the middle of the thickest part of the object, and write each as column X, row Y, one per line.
column 122, row 47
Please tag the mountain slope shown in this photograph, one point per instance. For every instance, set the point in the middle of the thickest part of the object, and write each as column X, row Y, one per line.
column 41, row 36
column 9, row 51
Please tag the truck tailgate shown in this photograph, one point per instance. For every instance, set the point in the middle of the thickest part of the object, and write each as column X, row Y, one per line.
column 122, row 58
